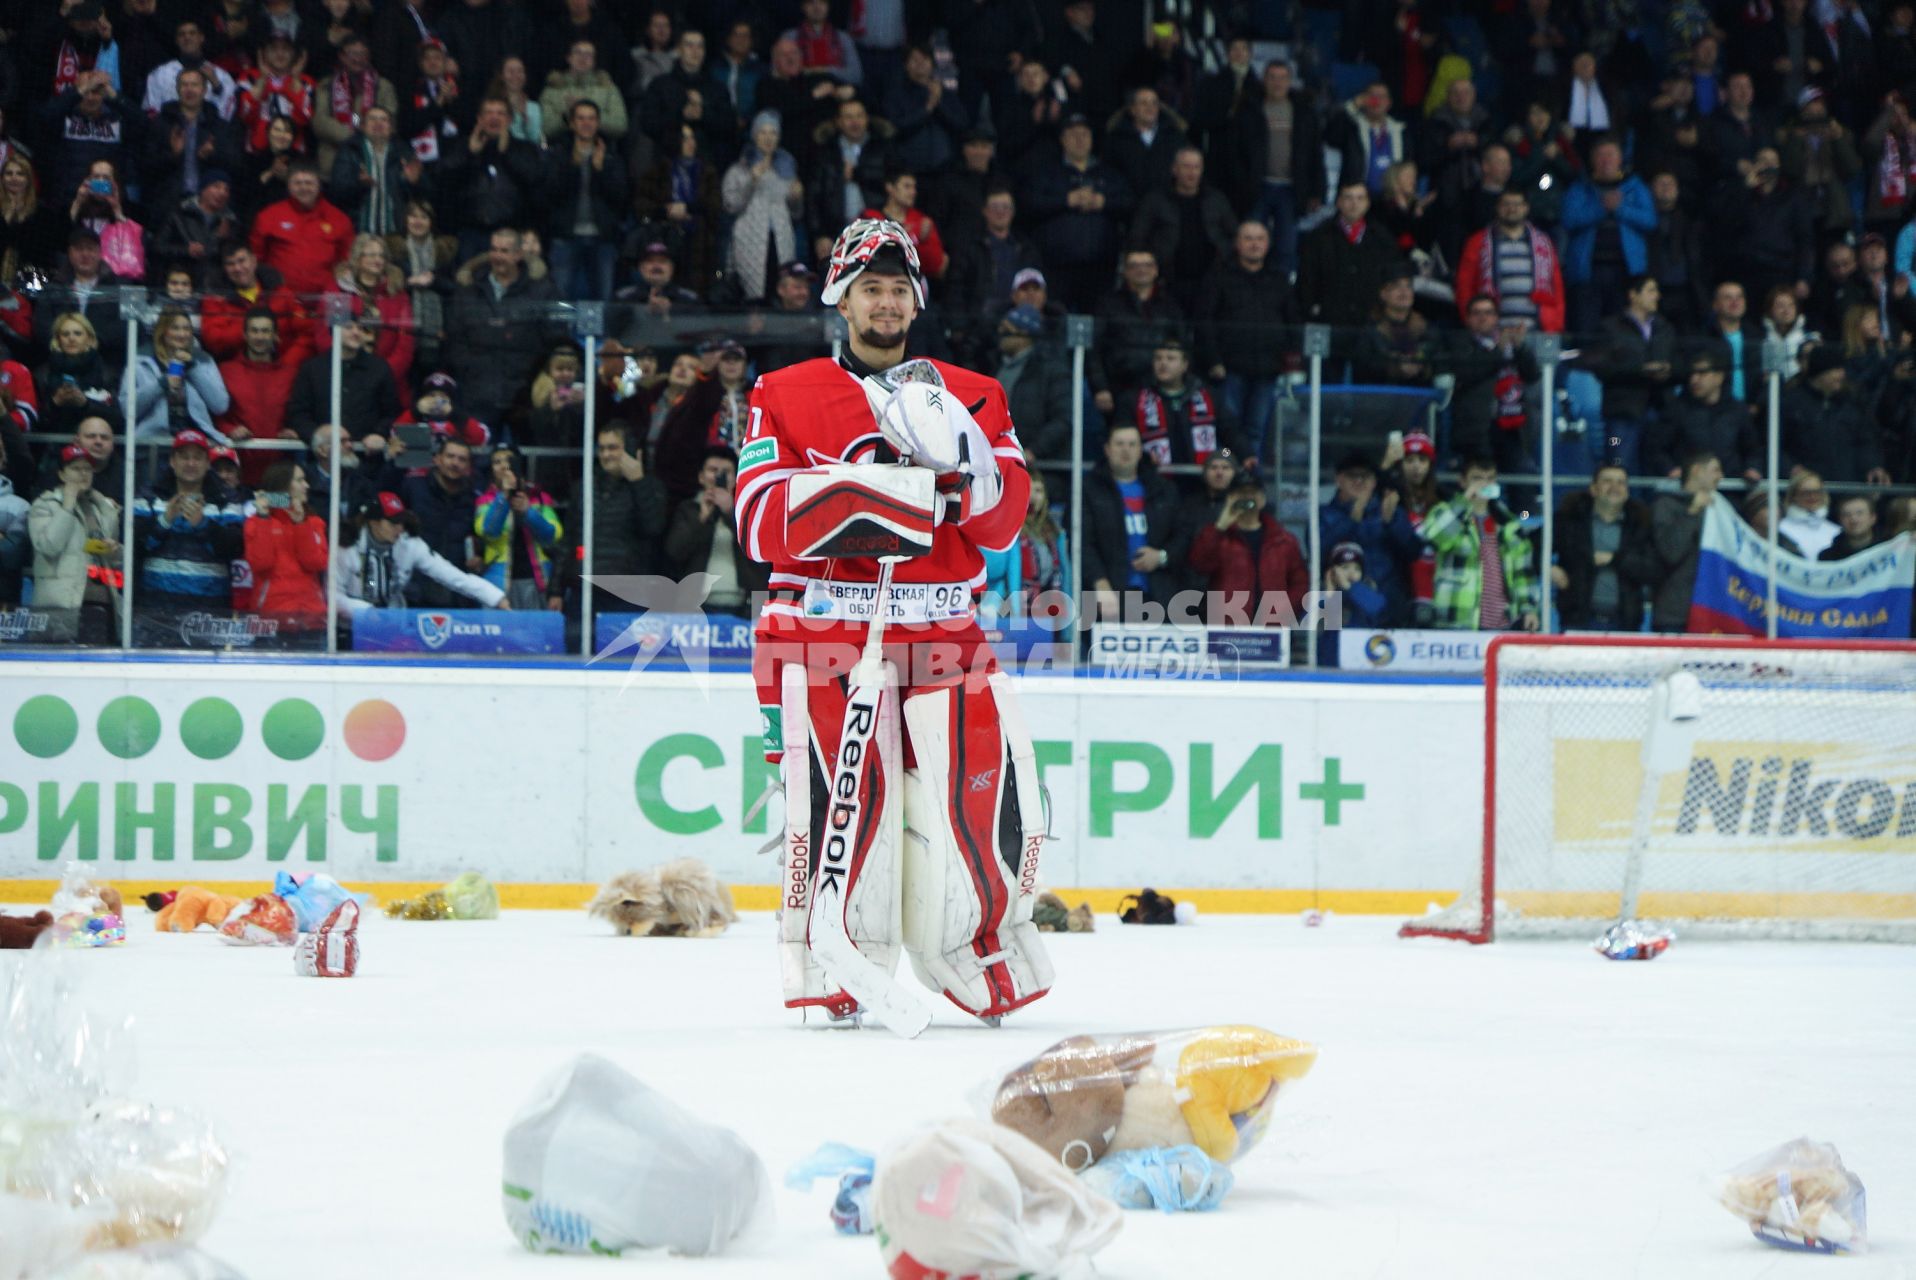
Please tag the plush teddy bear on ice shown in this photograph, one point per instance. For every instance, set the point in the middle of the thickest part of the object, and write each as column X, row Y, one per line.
column 193, row 907
column 18, row 933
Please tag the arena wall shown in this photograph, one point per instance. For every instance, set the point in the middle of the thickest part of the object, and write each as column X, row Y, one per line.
column 1265, row 796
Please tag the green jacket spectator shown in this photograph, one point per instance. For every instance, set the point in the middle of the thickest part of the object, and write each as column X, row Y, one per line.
column 1460, row 600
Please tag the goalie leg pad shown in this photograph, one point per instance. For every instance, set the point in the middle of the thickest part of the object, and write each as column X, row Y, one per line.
column 974, row 823
column 813, row 713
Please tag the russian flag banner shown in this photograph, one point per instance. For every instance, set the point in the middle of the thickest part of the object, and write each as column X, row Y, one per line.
column 1864, row 597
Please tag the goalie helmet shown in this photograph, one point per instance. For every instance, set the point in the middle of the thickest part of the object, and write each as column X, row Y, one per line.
column 857, row 245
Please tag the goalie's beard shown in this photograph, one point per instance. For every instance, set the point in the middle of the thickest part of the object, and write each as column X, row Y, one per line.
column 873, row 340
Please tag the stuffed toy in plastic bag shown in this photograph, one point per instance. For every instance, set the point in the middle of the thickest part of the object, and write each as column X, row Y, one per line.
column 81, row 894
column 1798, row 1196
column 81, row 1166
column 87, row 913
column 99, row 930
column 471, row 896
column 596, row 1162
column 313, row 897
column 1212, row 1087
column 972, row 1198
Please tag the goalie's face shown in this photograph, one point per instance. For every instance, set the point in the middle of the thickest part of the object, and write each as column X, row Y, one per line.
column 879, row 309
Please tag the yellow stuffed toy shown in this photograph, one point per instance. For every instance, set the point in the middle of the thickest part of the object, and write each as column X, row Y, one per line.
column 1226, row 1077
column 194, row 907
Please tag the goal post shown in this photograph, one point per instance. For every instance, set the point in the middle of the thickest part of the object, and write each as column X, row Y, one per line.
column 1728, row 787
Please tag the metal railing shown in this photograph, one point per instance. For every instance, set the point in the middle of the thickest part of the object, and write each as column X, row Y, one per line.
column 1312, row 348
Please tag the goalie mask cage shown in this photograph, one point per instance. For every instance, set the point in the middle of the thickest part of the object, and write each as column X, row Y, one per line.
column 1788, row 810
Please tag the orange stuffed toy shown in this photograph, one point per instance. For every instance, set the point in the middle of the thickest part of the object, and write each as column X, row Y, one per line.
column 194, row 907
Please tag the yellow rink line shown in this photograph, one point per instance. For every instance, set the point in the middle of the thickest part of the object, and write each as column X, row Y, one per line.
column 1385, row 902
column 763, row 897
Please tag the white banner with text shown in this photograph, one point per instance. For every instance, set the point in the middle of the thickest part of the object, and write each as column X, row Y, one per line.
column 197, row 771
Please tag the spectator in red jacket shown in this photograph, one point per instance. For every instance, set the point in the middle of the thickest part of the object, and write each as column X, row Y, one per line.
column 259, row 380
column 247, row 286
column 304, row 236
column 378, row 293
column 1514, row 262
column 1255, row 565
column 17, row 381
column 286, row 550
column 901, row 206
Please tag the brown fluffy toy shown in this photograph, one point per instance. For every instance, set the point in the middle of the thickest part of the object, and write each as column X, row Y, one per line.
column 681, row 899
column 17, row 933
column 194, row 907
column 1052, row 916
column 1070, row 1098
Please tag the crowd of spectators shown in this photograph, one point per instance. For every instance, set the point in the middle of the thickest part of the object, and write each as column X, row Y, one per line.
column 1671, row 187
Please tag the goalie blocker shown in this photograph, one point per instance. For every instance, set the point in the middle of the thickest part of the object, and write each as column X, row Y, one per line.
column 920, row 810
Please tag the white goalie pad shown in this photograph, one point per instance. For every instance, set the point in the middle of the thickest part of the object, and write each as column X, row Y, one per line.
column 861, row 509
column 872, row 905
column 986, row 971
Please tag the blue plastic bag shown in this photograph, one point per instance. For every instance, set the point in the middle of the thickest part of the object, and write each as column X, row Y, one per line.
column 851, row 1209
column 314, row 897
column 1169, row 1179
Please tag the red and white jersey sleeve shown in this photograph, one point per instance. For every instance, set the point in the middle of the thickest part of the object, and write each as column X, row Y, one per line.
column 997, row 529
column 816, row 413
column 768, row 458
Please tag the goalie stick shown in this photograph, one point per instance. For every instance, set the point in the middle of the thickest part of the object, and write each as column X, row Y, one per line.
column 902, row 1011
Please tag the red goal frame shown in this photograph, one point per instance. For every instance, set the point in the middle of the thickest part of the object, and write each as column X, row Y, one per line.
column 1485, row 927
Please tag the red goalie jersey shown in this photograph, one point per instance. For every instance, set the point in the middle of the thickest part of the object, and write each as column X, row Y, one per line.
column 817, row 413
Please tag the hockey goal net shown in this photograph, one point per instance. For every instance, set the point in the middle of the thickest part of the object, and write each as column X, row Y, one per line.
column 1726, row 787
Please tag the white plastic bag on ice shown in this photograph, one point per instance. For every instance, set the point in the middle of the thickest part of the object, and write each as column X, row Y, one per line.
column 973, row 1198
column 596, row 1162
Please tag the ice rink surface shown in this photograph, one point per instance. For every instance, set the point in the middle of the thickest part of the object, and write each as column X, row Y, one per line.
column 1523, row 1109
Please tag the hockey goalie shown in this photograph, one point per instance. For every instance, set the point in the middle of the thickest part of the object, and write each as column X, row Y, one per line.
column 871, row 484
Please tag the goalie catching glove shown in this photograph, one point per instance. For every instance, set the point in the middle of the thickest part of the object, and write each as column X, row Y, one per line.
column 930, row 427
